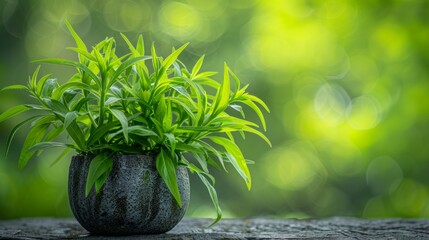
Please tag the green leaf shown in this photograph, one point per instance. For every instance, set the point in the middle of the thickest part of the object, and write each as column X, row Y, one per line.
column 238, row 108
column 101, row 131
column 225, row 87
column 15, row 87
column 140, row 45
column 123, row 120
column 78, row 65
column 201, row 160
column 13, row 132
column 185, row 107
column 58, row 92
column 34, row 136
column 130, row 46
column 258, row 100
column 111, row 100
column 172, row 140
column 205, row 75
column 60, row 156
column 197, row 67
column 171, row 58
column 257, row 111
column 155, row 61
column 33, row 81
column 213, row 196
column 76, row 134
column 42, row 82
column 101, row 63
column 137, row 130
column 222, row 95
column 212, row 150
column 11, row 112
column 141, row 131
column 100, row 166
column 237, row 81
column 167, row 170
column 69, row 118
column 235, row 156
column 84, row 53
column 56, row 106
column 80, row 44
column 45, row 145
column 54, row 132
column 125, row 65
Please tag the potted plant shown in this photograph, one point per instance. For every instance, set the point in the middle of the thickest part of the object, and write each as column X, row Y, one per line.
column 138, row 123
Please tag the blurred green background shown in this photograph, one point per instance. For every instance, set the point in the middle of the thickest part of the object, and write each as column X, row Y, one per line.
column 347, row 83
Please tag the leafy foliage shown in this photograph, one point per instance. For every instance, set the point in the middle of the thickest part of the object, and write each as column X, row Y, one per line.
column 139, row 104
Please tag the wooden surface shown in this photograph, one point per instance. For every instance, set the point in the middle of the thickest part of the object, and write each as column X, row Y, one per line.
column 257, row 228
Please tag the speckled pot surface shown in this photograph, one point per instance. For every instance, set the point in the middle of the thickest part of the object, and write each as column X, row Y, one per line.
column 134, row 200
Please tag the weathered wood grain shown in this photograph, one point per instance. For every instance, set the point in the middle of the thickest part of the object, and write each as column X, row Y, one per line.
column 256, row 228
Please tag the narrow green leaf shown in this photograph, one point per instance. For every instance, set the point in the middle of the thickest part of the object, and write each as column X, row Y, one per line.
column 58, row 92
column 155, row 61
column 237, row 81
column 197, row 67
column 258, row 100
column 101, row 131
column 80, row 44
column 56, row 106
column 205, row 75
column 125, row 65
column 15, row 87
column 101, row 180
column 69, row 118
column 171, row 58
column 53, row 133
column 48, row 86
column 185, row 107
column 130, row 46
column 172, row 140
column 45, row 145
column 33, row 81
column 225, row 88
column 167, row 170
column 231, row 159
column 222, row 95
column 140, row 45
column 136, row 130
column 101, row 63
column 213, row 196
column 13, row 132
column 213, row 151
column 99, row 166
column 11, row 112
column 84, row 53
column 34, row 136
column 257, row 111
column 60, row 156
column 78, row 65
column 238, row 108
column 111, row 100
column 123, row 120
column 234, row 154
column 201, row 159
column 141, row 131
column 76, row 134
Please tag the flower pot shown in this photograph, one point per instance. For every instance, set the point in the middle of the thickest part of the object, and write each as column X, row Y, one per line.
column 134, row 199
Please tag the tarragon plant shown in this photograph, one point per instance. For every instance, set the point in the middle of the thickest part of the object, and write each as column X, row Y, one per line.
column 139, row 104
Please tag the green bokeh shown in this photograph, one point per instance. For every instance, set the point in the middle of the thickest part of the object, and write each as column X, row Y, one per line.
column 347, row 83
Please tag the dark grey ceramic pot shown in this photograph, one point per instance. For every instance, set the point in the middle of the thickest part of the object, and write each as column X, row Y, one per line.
column 134, row 200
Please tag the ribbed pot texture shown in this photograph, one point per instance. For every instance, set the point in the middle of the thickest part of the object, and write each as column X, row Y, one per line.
column 134, row 200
